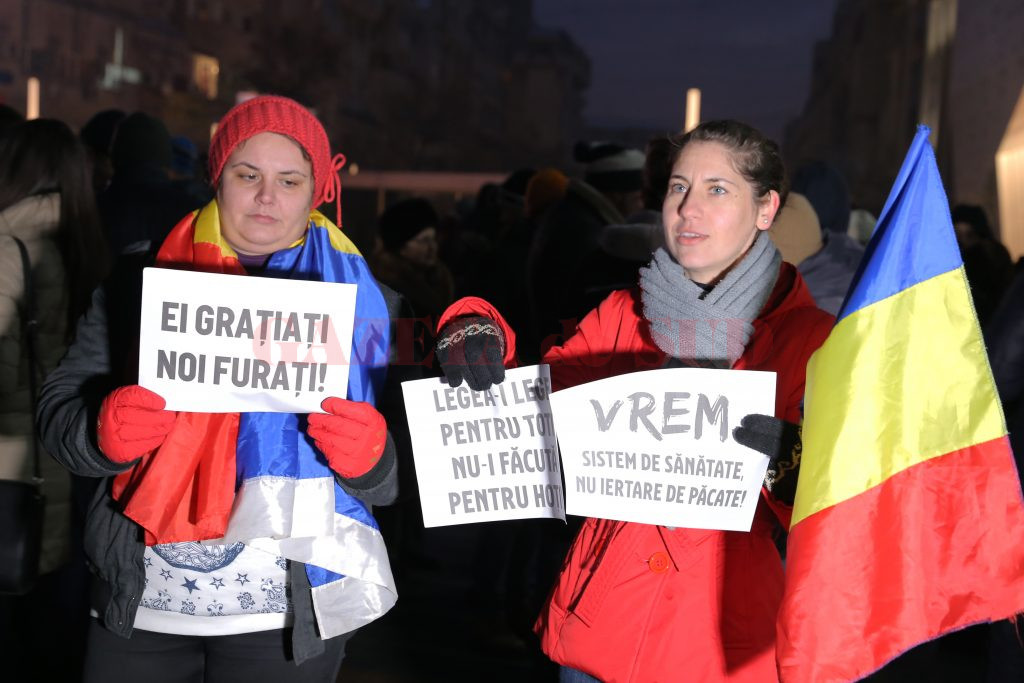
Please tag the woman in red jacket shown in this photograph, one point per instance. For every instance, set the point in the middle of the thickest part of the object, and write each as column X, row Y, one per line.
column 638, row 602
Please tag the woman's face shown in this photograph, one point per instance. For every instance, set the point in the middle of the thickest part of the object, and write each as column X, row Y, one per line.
column 421, row 249
column 710, row 214
column 265, row 194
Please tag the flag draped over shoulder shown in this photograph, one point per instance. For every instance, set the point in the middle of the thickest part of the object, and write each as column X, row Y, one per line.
column 256, row 477
column 908, row 521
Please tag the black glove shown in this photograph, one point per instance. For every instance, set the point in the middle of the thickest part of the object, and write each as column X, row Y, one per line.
column 782, row 443
column 472, row 349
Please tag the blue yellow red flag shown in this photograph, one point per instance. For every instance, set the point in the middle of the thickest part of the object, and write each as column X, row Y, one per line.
column 908, row 521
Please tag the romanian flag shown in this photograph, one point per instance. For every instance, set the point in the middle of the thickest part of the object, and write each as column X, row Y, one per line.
column 908, row 522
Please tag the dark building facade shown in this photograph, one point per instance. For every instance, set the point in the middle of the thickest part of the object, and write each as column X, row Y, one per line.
column 884, row 70
column 409, row 84
column 862, row 110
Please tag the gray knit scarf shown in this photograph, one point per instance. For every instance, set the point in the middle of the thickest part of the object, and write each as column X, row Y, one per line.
column 708, row 328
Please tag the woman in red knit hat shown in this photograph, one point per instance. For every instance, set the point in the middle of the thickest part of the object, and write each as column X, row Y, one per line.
column 185, row 591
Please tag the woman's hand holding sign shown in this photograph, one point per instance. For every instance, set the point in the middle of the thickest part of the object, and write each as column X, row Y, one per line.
column 351, row 435
column 781, row 441
column 132, row 422
column 472, row 349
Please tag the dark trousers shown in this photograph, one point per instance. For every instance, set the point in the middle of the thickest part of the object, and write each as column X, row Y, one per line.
column 42, row 633
column 56, row 610
column 168, row 658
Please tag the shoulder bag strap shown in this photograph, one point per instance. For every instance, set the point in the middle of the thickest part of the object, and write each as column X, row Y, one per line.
column 29, row 324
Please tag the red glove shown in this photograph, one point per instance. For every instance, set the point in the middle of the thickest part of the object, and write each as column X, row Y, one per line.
column 132, row 422
column 351, row 435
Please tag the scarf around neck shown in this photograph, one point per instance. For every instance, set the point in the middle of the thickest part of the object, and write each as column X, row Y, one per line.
column 708, row 328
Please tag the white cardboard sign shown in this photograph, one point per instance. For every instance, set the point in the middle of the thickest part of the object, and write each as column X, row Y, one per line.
column 488, row 455
column 656, row 447
column 216, row 343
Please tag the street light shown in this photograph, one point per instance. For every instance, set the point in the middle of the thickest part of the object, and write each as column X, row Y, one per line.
column 32, row 98
column 692, row 109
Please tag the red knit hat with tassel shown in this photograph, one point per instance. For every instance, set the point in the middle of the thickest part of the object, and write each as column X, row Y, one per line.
column 276, row 114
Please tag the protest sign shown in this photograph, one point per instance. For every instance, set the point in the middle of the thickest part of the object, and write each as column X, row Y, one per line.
column 656, row 447
column 485, row 455
column 218, row 343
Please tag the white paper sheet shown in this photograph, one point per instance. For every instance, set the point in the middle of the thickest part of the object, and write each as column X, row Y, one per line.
column 217, row 343
column 656, row 447
column 485, row 455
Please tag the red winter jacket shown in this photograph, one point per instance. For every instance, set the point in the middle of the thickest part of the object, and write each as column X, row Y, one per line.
column 637, row 602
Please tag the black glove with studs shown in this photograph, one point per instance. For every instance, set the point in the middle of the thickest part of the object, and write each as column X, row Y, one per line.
column 472, row 349
column 781, row 442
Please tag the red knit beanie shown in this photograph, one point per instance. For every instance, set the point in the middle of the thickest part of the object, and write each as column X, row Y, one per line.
column 276, row 114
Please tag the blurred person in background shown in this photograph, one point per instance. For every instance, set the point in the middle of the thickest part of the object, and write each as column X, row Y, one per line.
column 1004, row 337
column 185, row 173
column 471, row 243
column 795, row 230
column 642, row 234
column 9, row 117
column 407, row 259
column 509, row 263
column 568, row 271
column 828, row 271
column 862, row 225
column 987, row 263
column 46, row 201
column 97, row 135
column 141, row 204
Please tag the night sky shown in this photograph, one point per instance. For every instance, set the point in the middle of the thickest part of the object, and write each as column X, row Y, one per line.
column 751, row 59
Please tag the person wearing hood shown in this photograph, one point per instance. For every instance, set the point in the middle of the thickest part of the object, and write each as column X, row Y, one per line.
column 828, row 271
column 184, row 173
column 97, row 135
column 141, row 204
column 642, row 602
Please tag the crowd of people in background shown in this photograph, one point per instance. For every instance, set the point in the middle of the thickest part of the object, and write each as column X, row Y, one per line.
column 544, row 247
